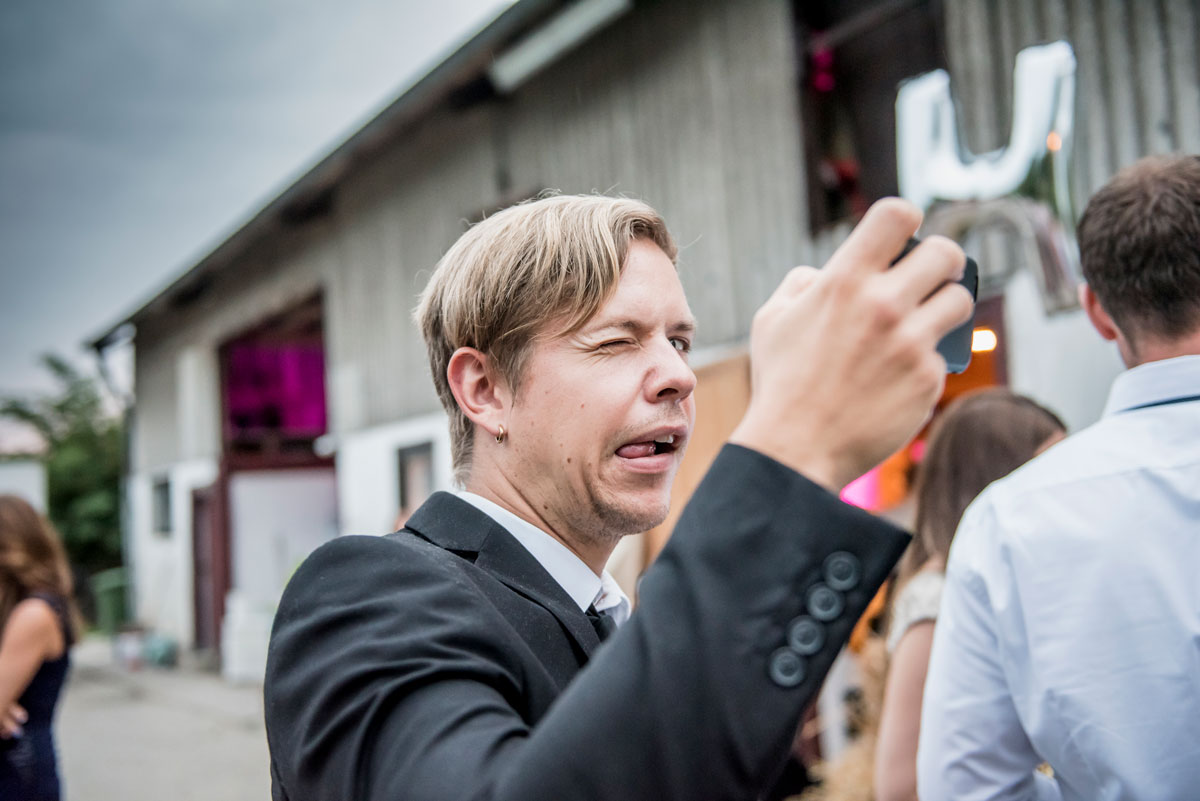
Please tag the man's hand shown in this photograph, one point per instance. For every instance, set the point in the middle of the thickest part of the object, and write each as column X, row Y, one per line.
column 11, row 720
column 844, row 361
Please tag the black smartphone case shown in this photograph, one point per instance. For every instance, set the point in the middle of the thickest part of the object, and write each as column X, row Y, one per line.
column 955, row 347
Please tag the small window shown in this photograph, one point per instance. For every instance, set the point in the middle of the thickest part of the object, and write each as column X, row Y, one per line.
column 415, row 476
column 161, row 500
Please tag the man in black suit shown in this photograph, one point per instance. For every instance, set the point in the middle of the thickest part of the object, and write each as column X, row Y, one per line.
column 461, row 657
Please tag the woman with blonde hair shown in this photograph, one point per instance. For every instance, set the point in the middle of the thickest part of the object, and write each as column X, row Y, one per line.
column 37, row 629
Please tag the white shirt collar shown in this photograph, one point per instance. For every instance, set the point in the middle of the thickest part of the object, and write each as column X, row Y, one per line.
column 1153, row 382
column 564, row 566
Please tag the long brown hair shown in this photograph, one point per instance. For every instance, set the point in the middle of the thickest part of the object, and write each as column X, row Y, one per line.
column 981, row 437
column 32, row 560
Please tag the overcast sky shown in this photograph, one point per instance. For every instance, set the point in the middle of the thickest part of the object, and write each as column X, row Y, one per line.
column 135, row 135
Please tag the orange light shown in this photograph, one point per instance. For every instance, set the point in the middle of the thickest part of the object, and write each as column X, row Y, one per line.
column 983, row 340
column 1053, row 142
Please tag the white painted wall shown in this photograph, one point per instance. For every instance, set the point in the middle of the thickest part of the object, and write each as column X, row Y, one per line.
column 1060, row 361
column 277, row 518
column 198, row 401
column 162, row 561
column 367, row 470
column 25, row 478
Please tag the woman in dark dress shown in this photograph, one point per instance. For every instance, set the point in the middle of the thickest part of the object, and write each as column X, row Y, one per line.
column 37, row 628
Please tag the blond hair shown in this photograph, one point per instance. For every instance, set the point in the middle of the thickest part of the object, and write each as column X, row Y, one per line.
column 540, row 268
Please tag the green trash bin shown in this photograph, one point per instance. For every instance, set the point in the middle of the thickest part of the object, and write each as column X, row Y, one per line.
column 108, row 587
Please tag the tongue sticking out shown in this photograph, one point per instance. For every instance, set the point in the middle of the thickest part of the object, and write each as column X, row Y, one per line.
column 636, row 450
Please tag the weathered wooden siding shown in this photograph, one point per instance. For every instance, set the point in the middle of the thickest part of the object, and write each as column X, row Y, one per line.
column 394, row 221
column 689, row 105
column 155, row 441
column 267, row 281
column 1138, row 79
column 695, row 122
column 693, row 108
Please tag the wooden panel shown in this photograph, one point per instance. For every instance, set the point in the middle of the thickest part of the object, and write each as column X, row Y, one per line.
column 1182, row 21
column 268, row 281
column 1121, row 88
column 398, row 217
column 697, row 123
column 1005, row 43
column 1054, row 23
column 970, row 73
column 155, row 426
column 1138, row 78
column 765, row 211
column 702, row 126
column 692, row 106
column 1152, row 85
column 1027, row 24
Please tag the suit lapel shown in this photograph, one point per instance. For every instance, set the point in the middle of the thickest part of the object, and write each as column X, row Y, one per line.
column 457, row 526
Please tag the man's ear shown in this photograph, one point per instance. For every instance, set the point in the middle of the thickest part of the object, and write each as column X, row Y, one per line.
column 479, row 391
column 1101, row 320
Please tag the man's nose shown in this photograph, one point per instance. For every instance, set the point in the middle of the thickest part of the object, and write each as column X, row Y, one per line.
column 671, row 378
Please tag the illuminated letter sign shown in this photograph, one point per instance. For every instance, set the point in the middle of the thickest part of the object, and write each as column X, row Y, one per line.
column 1024, row 184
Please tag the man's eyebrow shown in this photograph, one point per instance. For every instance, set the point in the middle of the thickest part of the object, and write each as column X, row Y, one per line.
column 684, row 326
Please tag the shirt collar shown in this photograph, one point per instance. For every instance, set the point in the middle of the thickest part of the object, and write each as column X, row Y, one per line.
column 1154, row 382
column 564, row 566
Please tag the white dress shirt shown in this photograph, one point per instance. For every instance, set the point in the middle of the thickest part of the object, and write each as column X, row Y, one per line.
column 568, row 570
column 1069, row 631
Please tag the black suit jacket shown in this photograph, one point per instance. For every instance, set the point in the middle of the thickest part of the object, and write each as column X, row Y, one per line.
column 443, row 663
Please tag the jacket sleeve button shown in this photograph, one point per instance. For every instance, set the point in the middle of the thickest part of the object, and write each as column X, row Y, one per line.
column 805, row 635
column 842, row 571
column 824, row 604
column 786, row 668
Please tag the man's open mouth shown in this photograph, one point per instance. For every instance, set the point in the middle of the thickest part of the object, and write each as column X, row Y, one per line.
column 654, row 447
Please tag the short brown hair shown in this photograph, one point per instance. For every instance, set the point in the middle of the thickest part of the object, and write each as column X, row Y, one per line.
column 1139, row 245
column 540, row 268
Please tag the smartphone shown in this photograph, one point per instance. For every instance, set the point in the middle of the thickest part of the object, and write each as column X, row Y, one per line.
column 955, row 347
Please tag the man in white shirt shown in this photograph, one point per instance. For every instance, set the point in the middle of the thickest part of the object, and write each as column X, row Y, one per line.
column 1069, row 631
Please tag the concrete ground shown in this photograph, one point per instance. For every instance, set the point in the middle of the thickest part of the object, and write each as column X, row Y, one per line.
column 157, row 734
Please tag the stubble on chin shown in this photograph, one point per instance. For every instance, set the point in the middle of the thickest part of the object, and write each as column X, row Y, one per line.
column 612, row 514
column 614, row 520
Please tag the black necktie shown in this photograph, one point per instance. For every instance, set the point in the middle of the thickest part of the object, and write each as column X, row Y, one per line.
column 602, row 622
